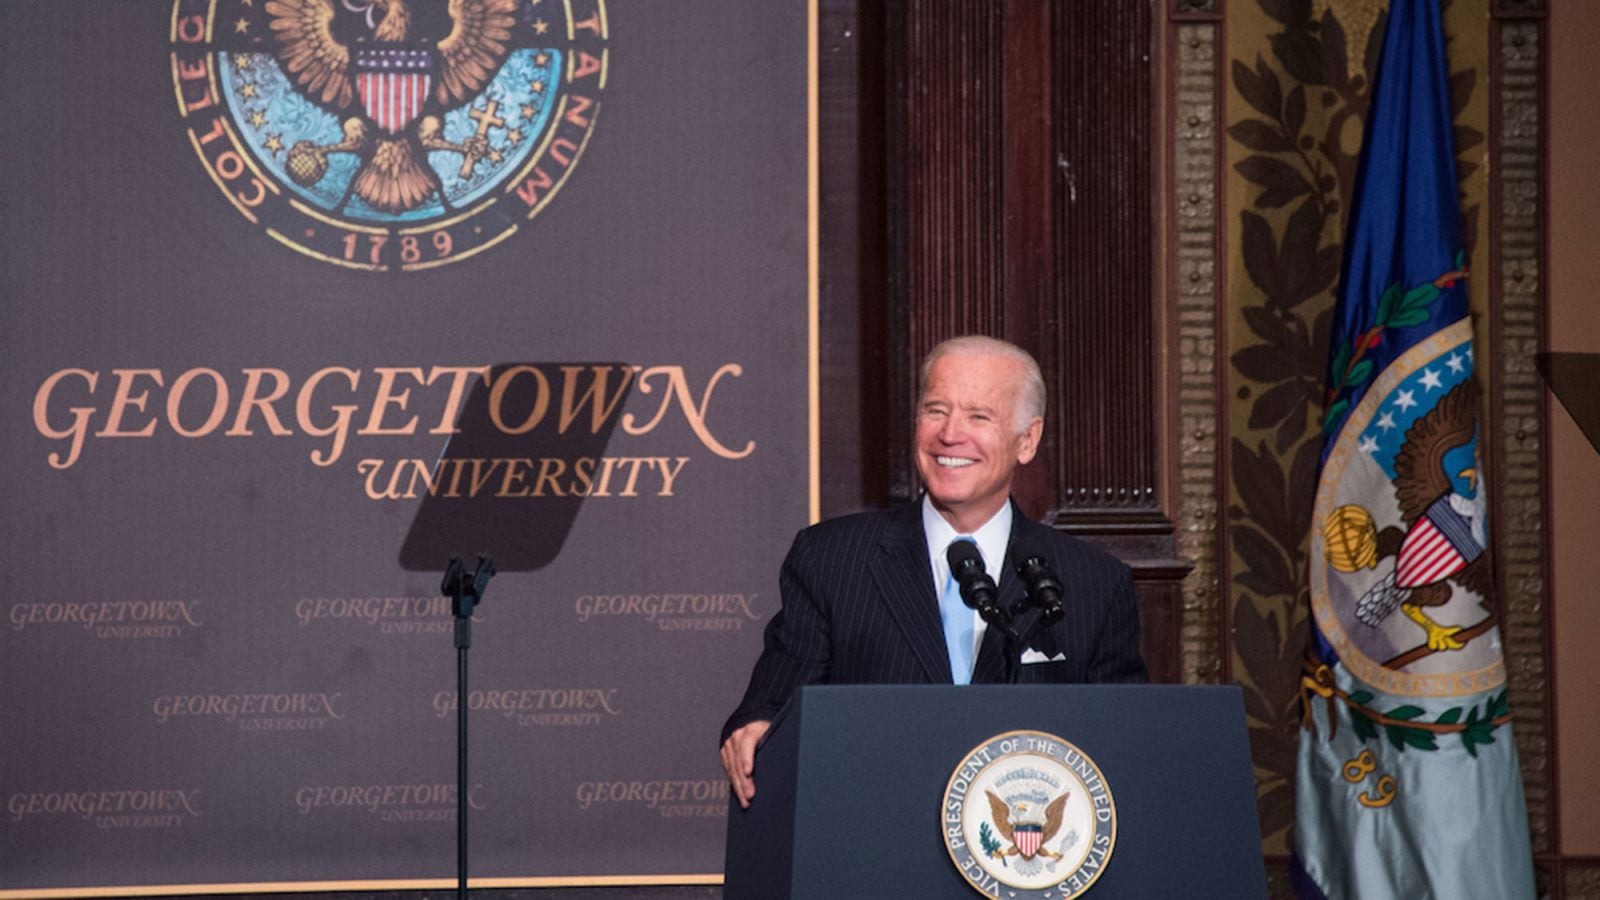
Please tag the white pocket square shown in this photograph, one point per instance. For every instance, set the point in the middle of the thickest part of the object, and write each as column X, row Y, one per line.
column 1031, row 655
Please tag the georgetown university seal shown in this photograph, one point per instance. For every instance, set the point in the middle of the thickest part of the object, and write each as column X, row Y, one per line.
column 389, row 134
column 1030, row 815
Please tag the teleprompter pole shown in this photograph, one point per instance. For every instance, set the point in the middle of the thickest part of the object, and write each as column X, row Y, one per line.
column 465, row 593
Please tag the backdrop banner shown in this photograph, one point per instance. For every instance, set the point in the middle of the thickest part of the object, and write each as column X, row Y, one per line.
column 302, row 297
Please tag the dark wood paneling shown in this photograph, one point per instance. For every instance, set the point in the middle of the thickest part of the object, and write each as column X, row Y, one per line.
column 1021, row 203
column 1028, row 176
column 954, row 252
column 1103, row 345
column 1161, row 624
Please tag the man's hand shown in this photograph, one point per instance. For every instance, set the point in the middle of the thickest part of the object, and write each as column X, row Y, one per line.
column 739, row 759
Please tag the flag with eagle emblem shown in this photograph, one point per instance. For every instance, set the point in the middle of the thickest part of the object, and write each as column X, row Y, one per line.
column 1408, row 783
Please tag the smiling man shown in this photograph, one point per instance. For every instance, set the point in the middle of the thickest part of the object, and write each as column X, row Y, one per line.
column 868, row 598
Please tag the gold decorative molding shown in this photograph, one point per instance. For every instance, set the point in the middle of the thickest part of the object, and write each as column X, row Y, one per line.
column 1195, row 291
column 1519, row 329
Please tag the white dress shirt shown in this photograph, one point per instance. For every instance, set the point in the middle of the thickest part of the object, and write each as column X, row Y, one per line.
column 991, row 537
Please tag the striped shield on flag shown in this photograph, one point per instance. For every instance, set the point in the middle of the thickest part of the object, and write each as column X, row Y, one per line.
column 1438, row 545
column 393, row 83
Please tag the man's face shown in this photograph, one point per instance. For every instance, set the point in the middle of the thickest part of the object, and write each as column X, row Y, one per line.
column 967, row 443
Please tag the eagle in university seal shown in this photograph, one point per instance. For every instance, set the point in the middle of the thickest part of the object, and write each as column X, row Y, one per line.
column 389, row 135
column 403, row 83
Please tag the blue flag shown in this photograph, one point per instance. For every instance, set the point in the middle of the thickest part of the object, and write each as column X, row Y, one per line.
column 1408, row 784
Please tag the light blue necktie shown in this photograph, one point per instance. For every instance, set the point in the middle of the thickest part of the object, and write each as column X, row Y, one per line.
column 957, row 618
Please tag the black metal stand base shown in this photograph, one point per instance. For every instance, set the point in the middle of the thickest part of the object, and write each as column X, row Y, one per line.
column 465, row 593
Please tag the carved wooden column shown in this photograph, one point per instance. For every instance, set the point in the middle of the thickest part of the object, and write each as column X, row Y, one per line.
column 1112, row 422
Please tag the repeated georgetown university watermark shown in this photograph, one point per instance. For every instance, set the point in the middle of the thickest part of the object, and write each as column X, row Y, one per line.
column 387, row 615
column 536, row 707
column 671, row 612
column 668, row 798
column 270, row 711
column 111, row 808
column 394, row 803
column 110, row 619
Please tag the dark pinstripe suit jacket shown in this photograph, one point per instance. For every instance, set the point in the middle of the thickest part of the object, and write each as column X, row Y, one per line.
column 859, row 608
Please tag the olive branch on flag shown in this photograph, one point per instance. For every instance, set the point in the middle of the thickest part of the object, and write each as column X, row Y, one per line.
column 1397, row 308
column 1400, row 725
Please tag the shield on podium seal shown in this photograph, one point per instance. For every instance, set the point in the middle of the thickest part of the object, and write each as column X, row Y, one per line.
column 1030, row 813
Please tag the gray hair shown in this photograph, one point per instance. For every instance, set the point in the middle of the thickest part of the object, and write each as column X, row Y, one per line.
column 1030, row 395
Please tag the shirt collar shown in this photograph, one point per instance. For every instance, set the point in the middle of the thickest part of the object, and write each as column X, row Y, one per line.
column 992, row 537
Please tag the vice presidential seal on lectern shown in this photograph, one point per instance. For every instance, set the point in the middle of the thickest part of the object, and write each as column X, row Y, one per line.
column 1030, row 811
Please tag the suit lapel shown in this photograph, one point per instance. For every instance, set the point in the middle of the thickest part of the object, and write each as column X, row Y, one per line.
column 904, row 579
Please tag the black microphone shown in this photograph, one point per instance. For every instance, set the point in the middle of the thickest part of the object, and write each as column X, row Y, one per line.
column 977, row 588
column 1043, row 587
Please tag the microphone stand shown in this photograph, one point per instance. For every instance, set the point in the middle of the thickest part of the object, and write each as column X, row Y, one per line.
column 465, row 593
column 1041, row 590
column 999, row 619
column 1016, row 643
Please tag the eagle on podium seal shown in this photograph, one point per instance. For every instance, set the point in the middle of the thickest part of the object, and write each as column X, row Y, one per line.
column 1029, row 813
